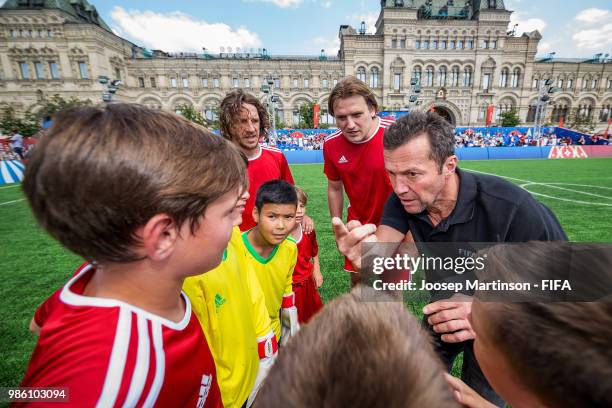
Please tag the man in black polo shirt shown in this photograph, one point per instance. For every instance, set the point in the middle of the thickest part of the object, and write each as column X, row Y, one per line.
column 436, row 202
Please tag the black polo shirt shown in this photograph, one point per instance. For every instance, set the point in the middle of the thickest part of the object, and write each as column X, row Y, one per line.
column 488, row 209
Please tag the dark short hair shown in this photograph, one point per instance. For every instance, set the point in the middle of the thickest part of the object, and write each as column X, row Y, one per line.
column 230, row 110
column 362, row 350
column 351, row 86
column 275, row 192
column 417, row 123
column 559, row 350
column 99, row 173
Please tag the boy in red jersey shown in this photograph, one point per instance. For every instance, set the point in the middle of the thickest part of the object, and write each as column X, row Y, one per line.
column 353, row 157
column 147, row 198
column 244, row 121
column 307, row 277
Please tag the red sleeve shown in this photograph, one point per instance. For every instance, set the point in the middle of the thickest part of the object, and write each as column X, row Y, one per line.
column 313, row 244
column 328, row 166
column 44, row 310
column 285, row 170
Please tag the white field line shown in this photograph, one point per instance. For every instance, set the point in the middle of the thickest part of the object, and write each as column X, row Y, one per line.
column 11, row 186
column 568, row 189
column 11, row 202
column 529, row 182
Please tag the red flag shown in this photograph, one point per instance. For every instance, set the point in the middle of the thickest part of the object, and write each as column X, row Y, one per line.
column 315, row 119
column 489, row 117
column 561, row 121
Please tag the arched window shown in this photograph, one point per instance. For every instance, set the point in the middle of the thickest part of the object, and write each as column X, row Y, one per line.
column 374, row 77
column 516, row 76
column 467, row 76
column 416, row 73
column 505, row 105
column 606, row 113
column 442, row 76
column 531, row 113
column 503, row 80
column 586, row 110
column 455, row 76
column 560, row 110
column 430, row 73
column 361, row 74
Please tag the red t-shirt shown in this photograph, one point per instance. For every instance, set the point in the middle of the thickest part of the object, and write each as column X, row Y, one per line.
column 110, row 353
column 270, row 164
column 361, row 168
column 307, row 249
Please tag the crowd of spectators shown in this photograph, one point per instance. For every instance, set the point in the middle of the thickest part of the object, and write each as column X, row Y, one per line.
column 312, row 139
column 515, row 138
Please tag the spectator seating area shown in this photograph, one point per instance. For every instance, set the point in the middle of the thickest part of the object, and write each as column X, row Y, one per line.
column 312, row 139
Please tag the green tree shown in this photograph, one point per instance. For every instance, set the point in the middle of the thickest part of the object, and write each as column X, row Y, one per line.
column 57, row 103
column 192, row 114
column 510, row 118
column 581, row 123
column 306, row 116
column 26, row 125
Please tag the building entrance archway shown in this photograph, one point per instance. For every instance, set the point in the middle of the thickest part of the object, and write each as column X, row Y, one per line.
column 446, row 114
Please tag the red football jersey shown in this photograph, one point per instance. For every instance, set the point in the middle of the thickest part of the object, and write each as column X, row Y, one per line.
column 270, row 164
column 361, row 168
column 110, row 353
column 307, row 249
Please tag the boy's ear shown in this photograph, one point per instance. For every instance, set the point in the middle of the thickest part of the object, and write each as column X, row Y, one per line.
column 255, row 215
column 159, row 236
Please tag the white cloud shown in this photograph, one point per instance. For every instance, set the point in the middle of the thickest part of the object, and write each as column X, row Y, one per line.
column 595, row 38
column 544, row 47
column 331, row 45
column 526, row 25
column 326, row 4
column 280, row 3
column 179, row 32
column 369, row 18
column 593, row 15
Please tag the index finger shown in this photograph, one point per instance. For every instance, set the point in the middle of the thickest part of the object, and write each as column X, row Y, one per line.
column 438, row 306
column 339, row 228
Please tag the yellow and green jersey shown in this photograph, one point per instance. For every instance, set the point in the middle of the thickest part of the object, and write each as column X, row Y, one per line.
column 275, row 276
column 231, row 308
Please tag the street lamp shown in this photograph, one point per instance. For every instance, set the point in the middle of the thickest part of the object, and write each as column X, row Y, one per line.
column 268, row 89
column 545, row 92
column 415, row 91
column 111, row 87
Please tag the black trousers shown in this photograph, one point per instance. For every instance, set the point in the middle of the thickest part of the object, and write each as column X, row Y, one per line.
column 470, row 371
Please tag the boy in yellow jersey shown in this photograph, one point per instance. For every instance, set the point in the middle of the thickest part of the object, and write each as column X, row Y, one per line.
column 231, row 308
column 273, row 253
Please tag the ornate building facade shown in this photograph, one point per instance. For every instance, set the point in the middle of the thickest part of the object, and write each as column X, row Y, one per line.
column 458, row 51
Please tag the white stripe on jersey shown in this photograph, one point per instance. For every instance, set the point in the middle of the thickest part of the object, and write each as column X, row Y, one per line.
column 333, row 135
column 141, row 369
column 114, row 373
column 160, row 365
column 272, row 149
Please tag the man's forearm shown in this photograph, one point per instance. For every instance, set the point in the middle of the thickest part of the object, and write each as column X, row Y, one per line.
column 335, row 200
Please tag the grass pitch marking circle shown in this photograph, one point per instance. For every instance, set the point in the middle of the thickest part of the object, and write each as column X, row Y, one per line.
column 556, row 185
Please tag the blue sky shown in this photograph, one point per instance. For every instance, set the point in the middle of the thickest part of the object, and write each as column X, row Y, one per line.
column 570, row 28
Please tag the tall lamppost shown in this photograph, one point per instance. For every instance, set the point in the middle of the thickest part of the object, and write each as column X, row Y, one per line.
column 271, row 100
column 545, row 91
